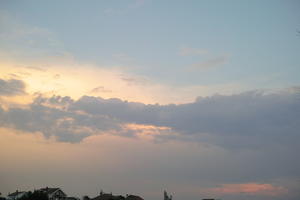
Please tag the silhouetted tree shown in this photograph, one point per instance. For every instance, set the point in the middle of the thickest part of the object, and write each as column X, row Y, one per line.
column 1, row 198
column 36, row 195
column 86, row 197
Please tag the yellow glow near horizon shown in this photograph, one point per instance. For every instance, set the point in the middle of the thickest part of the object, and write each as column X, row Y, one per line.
column 76, row 80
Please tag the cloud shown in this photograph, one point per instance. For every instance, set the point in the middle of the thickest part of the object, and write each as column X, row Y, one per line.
column 36, row 68
column 100, row 89
column 251, row 120
column 22, row 42
column 76, row 80
column 250, row 189
column 11, row 87
column 135, row 80
column 210, row 63
column 51, row 117
column 122, row 57
column 250, row 138
column 187, row 51
column 246, row 119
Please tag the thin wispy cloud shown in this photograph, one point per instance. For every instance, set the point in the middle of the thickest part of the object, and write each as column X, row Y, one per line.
column 250, row 189
column 25, row 42
column 210, row 63
column 134, row 80
column 209, row 60
column 188, row 51
column 100, row 89
column 123, row 57
column 36, row 68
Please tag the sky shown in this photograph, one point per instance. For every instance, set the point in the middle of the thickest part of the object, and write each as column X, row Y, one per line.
column 199, row 98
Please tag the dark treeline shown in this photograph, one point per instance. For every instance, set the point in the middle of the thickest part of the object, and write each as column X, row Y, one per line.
column 36, row 195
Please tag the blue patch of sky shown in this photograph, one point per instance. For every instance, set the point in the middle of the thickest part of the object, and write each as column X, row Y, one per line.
column 258, row 38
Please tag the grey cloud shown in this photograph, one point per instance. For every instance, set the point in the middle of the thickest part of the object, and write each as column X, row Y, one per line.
column 11, row 87
column 51, row 117
column 247, row 120
column 252, row 136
